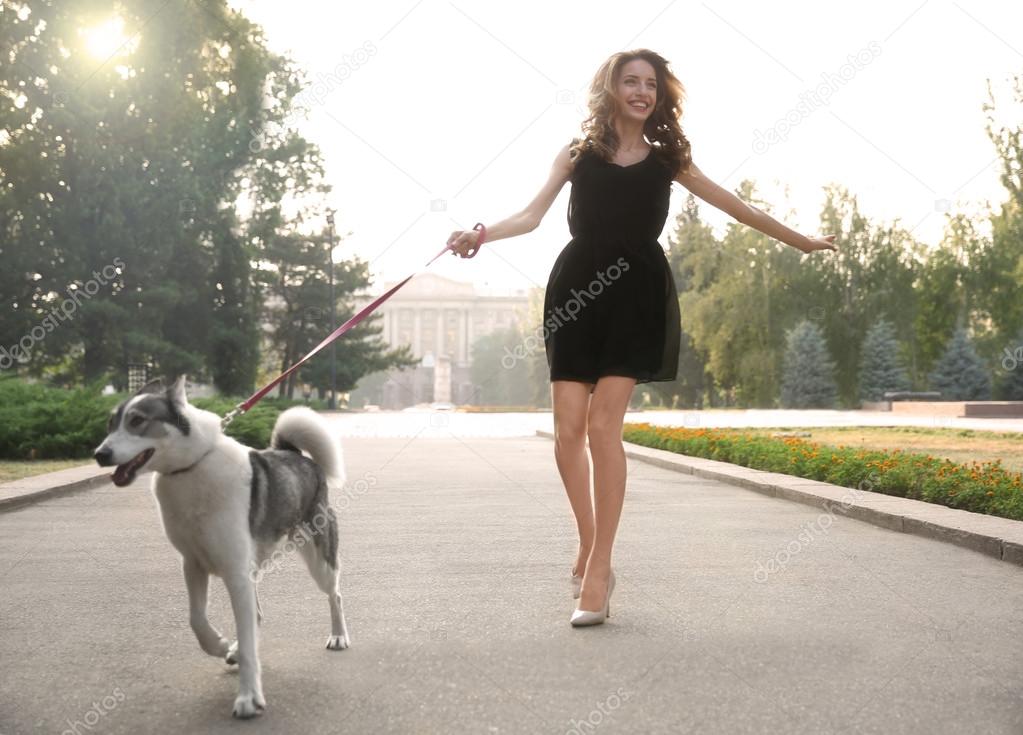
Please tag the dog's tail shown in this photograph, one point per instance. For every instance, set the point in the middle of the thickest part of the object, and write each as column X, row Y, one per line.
column 300, row 428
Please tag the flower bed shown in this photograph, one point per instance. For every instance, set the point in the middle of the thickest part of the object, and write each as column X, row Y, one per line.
column 979, row 487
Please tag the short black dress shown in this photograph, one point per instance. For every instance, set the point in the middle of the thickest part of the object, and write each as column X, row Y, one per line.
column 611, row 307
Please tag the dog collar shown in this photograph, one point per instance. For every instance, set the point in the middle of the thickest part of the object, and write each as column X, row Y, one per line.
column 186, row 469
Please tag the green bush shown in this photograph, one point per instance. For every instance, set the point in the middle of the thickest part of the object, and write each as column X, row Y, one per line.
column 38, row 421
column 253, row 427
column 42, row 422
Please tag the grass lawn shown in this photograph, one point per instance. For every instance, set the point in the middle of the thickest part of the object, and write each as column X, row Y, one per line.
column 958, row 445
column 11, row 469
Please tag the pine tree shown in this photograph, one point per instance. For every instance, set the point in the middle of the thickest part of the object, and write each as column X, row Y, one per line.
column 881, row 369
column 960, row 375
column 809, row 374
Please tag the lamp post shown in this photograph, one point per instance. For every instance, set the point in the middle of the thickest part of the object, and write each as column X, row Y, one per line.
column 333, row 318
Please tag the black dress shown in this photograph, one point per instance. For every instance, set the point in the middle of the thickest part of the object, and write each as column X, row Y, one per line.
column 611, row 307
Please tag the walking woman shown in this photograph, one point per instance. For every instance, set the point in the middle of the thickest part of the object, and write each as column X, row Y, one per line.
column 611, row 314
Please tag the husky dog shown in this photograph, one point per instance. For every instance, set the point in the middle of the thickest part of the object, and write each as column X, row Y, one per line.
column 227, row 507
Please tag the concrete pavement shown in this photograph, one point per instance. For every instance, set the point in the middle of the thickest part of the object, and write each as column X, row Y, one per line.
column 734, row 612
column 415, row 421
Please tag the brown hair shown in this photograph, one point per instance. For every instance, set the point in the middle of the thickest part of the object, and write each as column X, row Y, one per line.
column 662, row 128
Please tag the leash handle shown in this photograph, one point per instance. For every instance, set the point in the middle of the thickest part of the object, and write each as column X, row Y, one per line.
column 482, row 238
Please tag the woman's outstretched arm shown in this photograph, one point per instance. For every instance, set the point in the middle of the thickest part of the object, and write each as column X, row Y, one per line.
column 526, row 220
column 695, row 180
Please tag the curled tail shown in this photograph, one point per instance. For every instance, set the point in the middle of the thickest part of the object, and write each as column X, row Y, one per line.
column 302, row 428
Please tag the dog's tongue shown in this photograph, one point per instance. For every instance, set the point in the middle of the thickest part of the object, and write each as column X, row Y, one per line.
column 123, row 475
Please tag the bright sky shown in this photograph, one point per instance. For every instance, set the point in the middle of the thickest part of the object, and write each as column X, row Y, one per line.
column 435, row 115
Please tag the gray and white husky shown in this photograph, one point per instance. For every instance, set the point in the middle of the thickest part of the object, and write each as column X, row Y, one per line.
column 227, row 507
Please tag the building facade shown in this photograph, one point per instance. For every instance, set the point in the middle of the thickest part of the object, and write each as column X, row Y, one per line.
column 439, row 318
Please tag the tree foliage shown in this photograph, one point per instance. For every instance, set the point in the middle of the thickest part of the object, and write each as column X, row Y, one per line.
column 809, row 377
column 881, row 365
column 165, row 173
column 960, row 374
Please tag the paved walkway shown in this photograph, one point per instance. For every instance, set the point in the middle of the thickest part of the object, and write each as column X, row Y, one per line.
column 456, row 554
column 423, row 422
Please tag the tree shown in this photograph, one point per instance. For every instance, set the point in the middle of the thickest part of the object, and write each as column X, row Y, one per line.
column 956, row 287
column 538, row 372
column 500, row 369
column 960, row 375
column 881, row 367
column 303, row 319
column 689, row 247
column 809, row 380
column 154, row 178
column 1002, row 272
column 870, row 274
column 129, row 159
column 737, row 295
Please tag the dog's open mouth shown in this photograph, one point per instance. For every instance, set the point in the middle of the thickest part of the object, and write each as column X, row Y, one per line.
column 125, row 473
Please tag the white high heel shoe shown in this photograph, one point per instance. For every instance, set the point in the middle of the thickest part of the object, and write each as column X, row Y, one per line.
column 590, row 617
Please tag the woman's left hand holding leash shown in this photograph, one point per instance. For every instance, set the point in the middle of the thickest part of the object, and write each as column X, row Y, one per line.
column 467, row 243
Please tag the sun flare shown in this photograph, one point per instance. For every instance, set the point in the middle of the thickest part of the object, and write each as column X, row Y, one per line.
column 107, row 40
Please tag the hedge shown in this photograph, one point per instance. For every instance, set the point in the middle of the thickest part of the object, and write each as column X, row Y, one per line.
column 38, row 421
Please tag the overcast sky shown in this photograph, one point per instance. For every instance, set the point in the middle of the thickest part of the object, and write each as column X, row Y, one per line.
column 434, row 115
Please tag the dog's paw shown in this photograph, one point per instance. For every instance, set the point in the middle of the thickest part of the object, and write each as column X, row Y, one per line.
column 231, row 657
column 338, row 642
column 248, row 705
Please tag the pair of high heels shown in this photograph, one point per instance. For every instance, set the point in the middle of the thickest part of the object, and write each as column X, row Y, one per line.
column 594, row 617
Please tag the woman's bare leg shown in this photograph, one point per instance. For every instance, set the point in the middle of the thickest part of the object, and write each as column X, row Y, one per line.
column 604, row 427
column 570, row 400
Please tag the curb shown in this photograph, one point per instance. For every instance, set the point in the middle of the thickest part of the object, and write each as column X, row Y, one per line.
column 29, row 490
column 1001, row 538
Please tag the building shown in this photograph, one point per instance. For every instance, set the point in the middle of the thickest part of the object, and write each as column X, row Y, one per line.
column 440, row 318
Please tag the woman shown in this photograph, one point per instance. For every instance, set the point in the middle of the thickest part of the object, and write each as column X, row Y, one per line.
column 611, row 309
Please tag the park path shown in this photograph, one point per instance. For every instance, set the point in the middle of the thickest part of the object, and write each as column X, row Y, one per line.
column 456, row 554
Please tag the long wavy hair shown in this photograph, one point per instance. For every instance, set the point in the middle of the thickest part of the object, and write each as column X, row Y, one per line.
column 662, row 128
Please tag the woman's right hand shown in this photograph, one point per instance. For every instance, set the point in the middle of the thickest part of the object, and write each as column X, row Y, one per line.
column 463, row 241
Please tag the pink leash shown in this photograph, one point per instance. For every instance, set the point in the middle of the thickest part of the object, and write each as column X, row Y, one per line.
column 362, row 314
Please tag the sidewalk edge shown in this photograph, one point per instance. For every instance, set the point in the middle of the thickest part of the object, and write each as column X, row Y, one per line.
column 16, row 502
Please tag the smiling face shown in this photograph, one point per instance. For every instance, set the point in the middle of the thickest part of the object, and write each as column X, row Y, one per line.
column 636, row 90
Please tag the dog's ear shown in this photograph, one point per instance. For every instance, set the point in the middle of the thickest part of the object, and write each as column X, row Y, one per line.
column 153, row 386
column 176, row 393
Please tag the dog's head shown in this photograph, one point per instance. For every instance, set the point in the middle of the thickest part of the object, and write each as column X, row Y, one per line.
column 148, row 423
